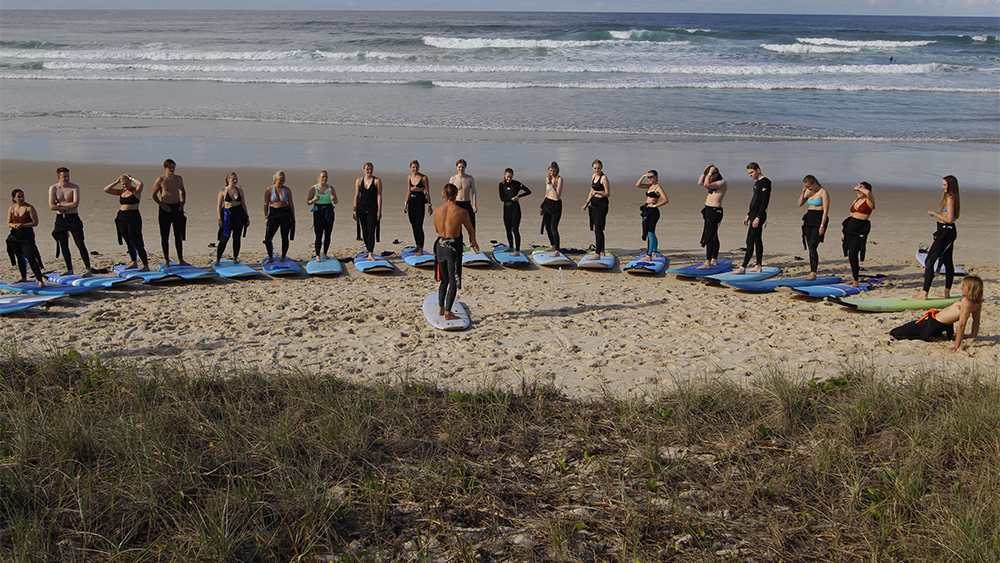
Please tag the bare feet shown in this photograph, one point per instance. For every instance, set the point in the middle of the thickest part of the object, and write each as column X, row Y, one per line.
column 739, row 271
column 68, row 273
column 268, row 260
column 145, row 268
column 22, row 280
column 704, row 265
column 183, row 263
column 756, row 269
column 448, row 315
column 921, row 295
column 943, row 294
column 318, row 259
column 215, row 263
column 810, row 276
column 854, row 283
column 88, row 274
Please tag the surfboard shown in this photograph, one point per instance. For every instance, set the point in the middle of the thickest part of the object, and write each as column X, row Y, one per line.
column 437, row 321
column 766, row 286
column 604, row 261
column 95, row 282
column 544, row 257
column 411, row 257
column 185, row 271
column 835, row 290
column 378, row 265
column 693, row 271
column 14, row 303
column 325, row 267
column 232, row 270
column 504, row 256
column 650, row 266
column 31, row 288
column 893, row 304
column 151, row 277
column 475, row 259
column 286, row 267
column 922, row 259
column 766, row 272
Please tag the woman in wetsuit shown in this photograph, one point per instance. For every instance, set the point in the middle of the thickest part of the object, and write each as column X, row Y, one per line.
column 815, row 220
column 943, row 246
column 857, row 227
column 128, row 222
column 22, row 220
column 650, row 211
column 552, row 207
column 279, row 214
column 418, row 195
column 231, row 210
column 322, row 197
column 368, row 207
column 597, row 204
column 511, row 192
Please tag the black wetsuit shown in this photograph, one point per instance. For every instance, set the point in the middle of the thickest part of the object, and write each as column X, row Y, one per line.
column 448, row 254
column 925, row 328
column 174, row 218
column 811, row 237
column 598, row 211
column 856, row 233
column 367, row 211
column 650, row 217
column 758, row 210
column 65, row 225
column 128, row 224
column 415, row 202
column 279, row 218
column 710, row 232
column 942, row 248
column 551, row 213
column 234, row 225
column 23, row 252
column 323, row 217
column 512, row 211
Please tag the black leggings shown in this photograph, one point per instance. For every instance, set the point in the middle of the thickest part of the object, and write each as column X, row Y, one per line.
column 449, row 270
column 415, row 211
column 278, row 218
column 512, row 222
column 855, row 238
column 467, row 206
column 710, row 232
column 22, row 249
column 66, row 225
column 755, row 243
column 174, row 218
column 943, row 248
column 323, row 227
column 129, row 226
column 598, row 221
column 369, row 224
column 811, row 223
column 551, row 213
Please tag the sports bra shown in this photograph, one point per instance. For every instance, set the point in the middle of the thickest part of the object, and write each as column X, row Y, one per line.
column 130, row 200
column 229, row 199
column 274, row 195
column 815, row 202
column 653, row 195
column 323, row 199
column 861, row 206
column 597, row 186
column 21, row 219
column 419, row 184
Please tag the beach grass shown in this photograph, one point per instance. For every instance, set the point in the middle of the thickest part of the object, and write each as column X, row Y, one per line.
column 102, row 461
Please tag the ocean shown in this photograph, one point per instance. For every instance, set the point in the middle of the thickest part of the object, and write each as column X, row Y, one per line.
column 629, row 81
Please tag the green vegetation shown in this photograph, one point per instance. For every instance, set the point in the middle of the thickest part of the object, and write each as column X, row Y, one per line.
column 106, row 462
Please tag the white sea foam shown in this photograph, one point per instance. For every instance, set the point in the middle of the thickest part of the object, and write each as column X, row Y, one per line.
column 863, row 44
column 482, row 43
column 150, row 55
column 800, row 49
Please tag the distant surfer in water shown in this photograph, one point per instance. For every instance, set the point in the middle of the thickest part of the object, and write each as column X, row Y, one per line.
column 755, row 219
column 448, row 222
column 712, row 180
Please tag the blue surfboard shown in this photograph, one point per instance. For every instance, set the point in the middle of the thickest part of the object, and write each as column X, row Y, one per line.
column 376, row 266
column 649, row 266
column 693, row 271
column 15, row 303
column 95, row 282
column 286, row 267
column 411, row 257
column 185, row 271
column 767, row 286
column 835, row 290
column 765, row 273
column 325, row 267
column 31, row 288
column 509, row 258
column 231, row 270
column 133, row 274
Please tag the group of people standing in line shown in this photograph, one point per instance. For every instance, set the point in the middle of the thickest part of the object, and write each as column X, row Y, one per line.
column 233, row 215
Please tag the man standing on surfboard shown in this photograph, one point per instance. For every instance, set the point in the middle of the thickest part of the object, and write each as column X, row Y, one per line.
column 169, row 194
column 466, row 186
column 712, row 180
column 448, row 222
column 64, row 199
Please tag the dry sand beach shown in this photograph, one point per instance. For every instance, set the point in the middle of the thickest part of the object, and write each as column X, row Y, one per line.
column 586, row 332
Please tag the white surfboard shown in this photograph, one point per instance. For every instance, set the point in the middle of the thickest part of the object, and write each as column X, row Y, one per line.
column 922, row 258
column 439, row 322
column 595, row 261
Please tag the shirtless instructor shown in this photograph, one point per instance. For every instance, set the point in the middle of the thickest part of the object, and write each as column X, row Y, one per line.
column 448, row 222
